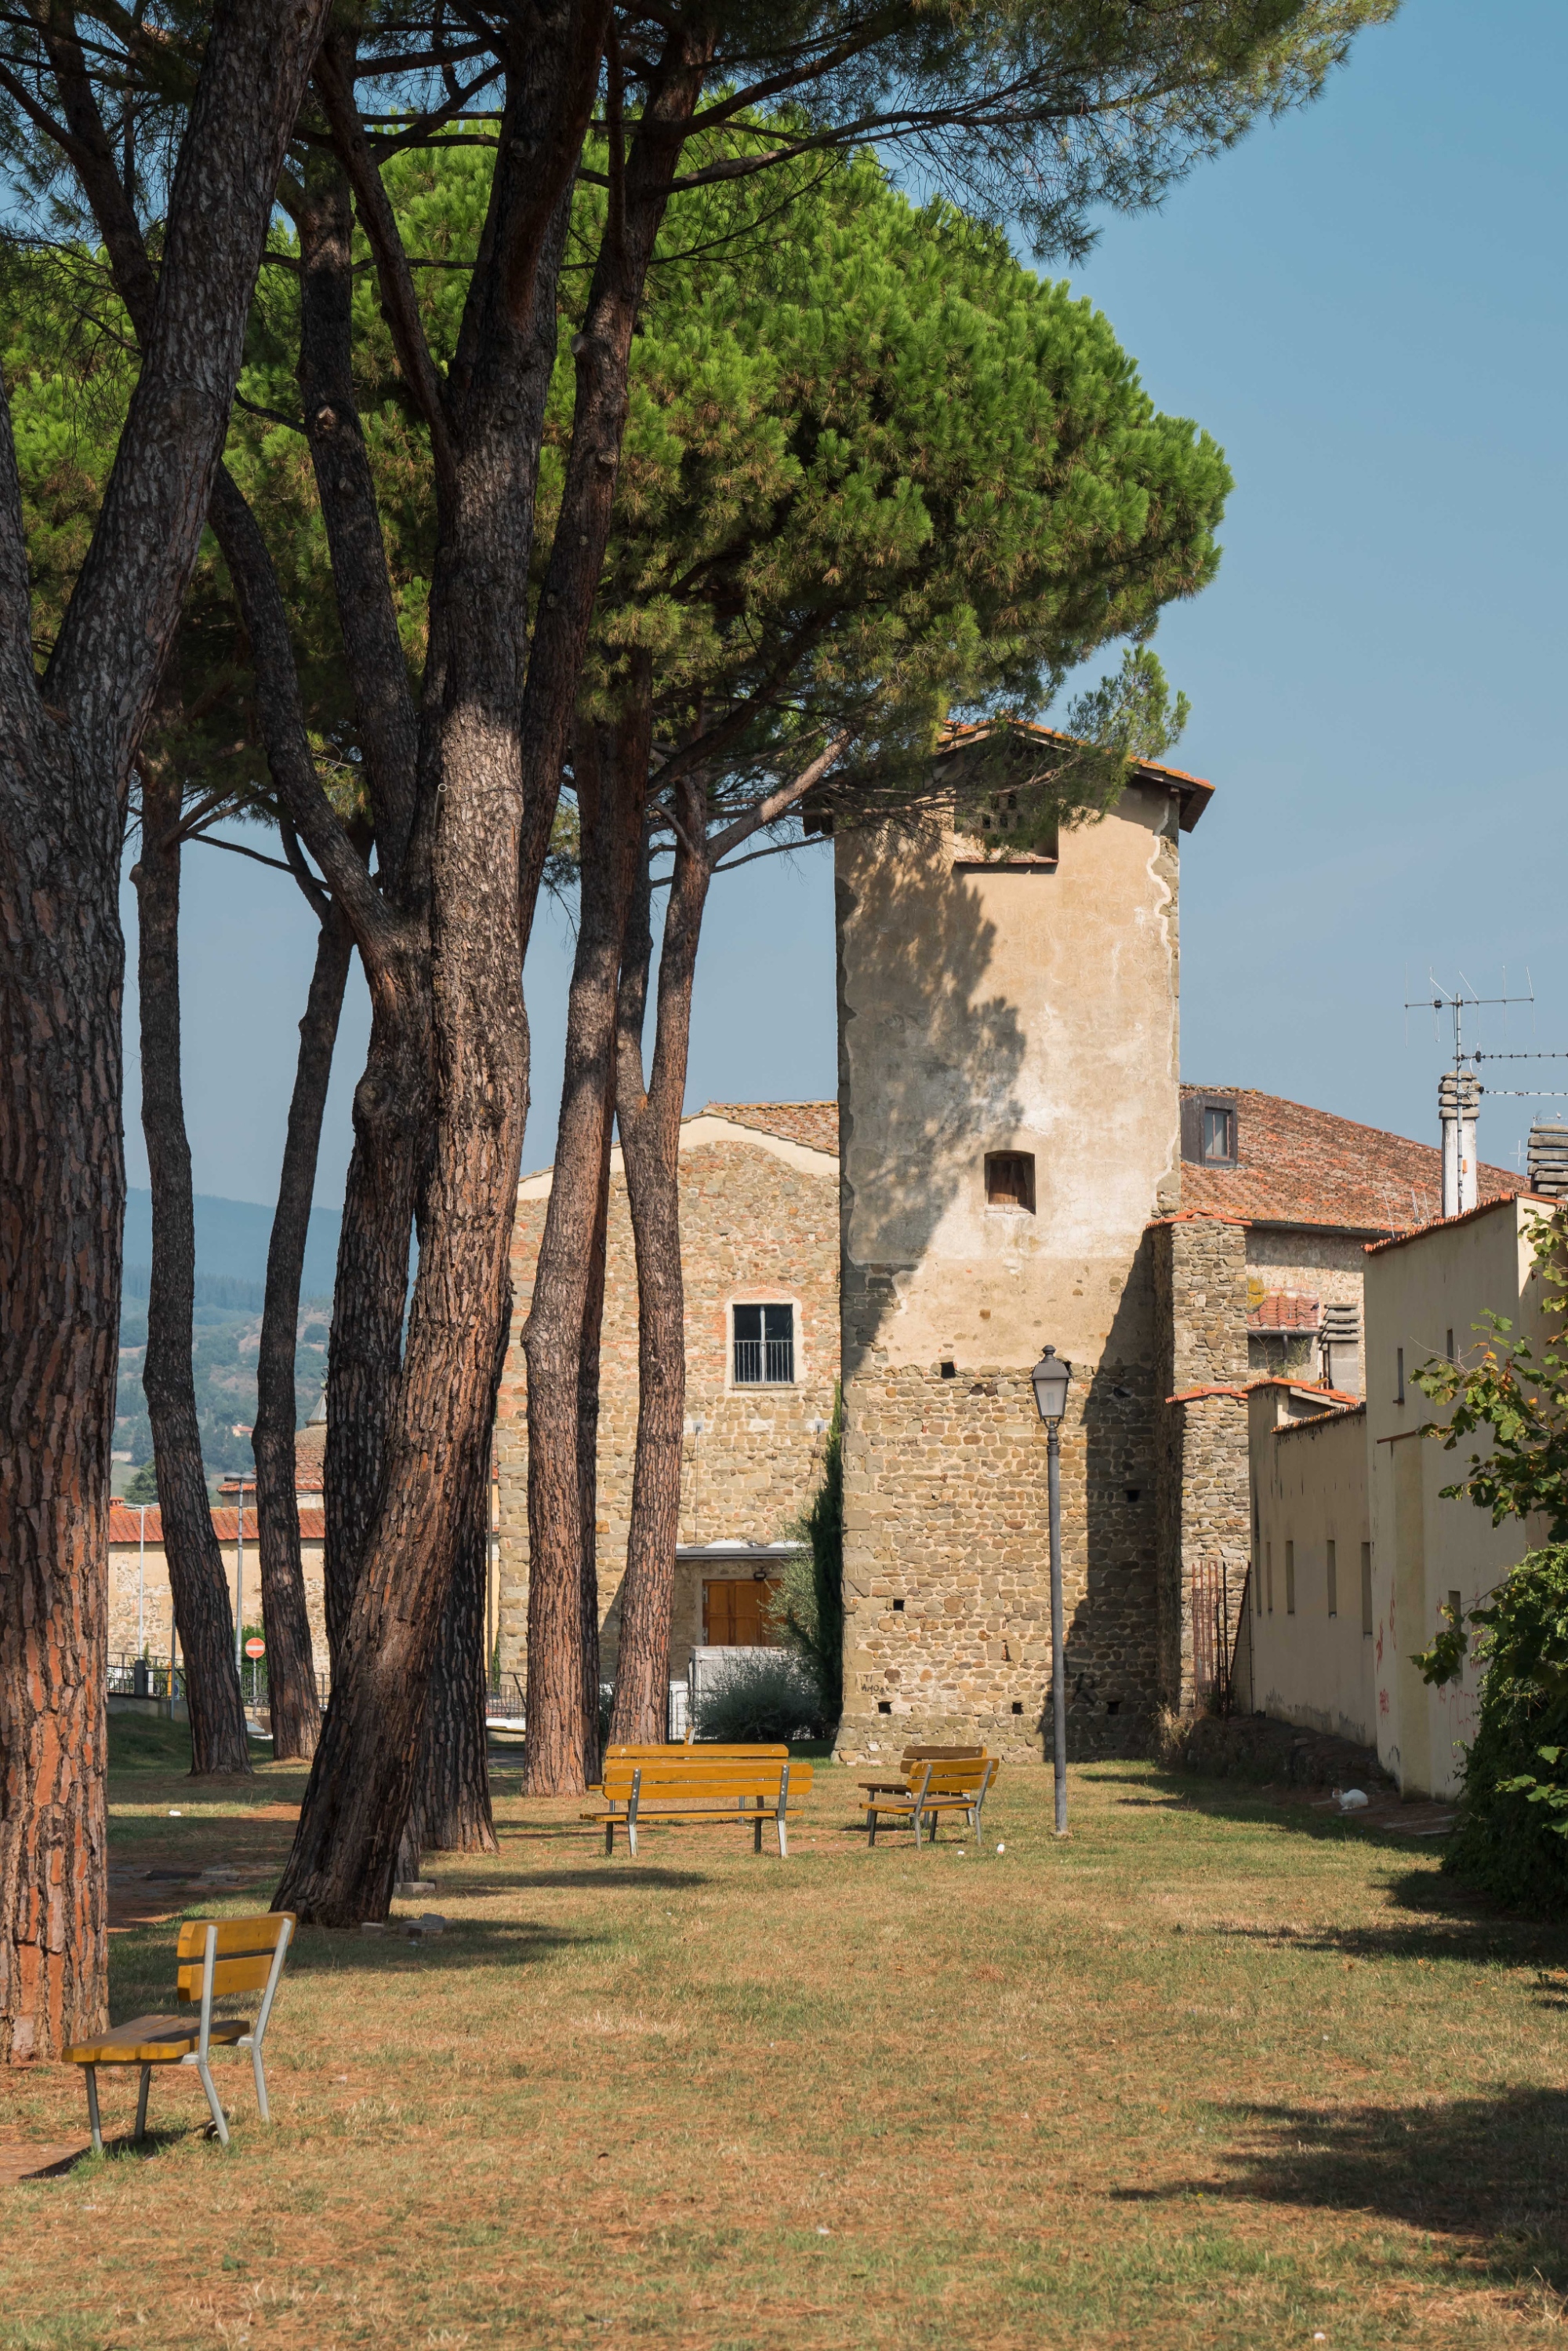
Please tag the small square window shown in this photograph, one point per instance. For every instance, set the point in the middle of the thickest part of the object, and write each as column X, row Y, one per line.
column 884, row 1706
column 898, row 1607
column 764, row 1346
column 1218, row 1131
column 1009, row 1180
column 1018, row 1705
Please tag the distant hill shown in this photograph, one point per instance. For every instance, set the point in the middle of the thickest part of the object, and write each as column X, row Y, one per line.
column 231, row 1245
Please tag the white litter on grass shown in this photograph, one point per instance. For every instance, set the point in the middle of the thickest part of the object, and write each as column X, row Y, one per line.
column 821, row 2230
column 1320, row 2336
column 174, row 1814
column 1353, row 1799
column 1001, row 1848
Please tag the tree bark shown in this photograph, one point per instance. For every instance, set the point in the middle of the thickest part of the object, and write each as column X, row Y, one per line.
column 290, row 1661
column 197, row 1580
column 66, row 749
column 650, row 1123
column 471, row 799
column 611, row 781
column 62, row 1199
column 588, row 1453
column 451, row 1807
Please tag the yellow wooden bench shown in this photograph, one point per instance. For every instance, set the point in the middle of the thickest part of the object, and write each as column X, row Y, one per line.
column 700, row 1785
column 931, row 1786
column 216, row 1959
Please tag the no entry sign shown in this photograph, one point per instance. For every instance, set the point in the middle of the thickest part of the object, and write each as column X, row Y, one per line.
column 255, row 1648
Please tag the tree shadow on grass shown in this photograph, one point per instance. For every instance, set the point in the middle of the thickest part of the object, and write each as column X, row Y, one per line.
column 1485, row 2169
column 618, row 1875
column 1440, row 1924
column 1253, row 1803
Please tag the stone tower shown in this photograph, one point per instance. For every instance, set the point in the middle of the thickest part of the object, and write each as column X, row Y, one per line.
column 1009, row 1128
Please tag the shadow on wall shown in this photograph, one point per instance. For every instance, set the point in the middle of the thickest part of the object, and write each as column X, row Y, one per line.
column 1110, row 1643
column 945, row 1059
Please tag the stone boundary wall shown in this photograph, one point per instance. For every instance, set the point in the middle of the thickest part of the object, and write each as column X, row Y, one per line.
column 947, row 1569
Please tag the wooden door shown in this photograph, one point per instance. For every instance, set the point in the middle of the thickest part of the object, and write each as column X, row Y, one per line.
column 735, row 1613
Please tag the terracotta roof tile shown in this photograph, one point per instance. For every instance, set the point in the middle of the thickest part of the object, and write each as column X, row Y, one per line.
column 1433, row 1224
column 1285, row 1311
column 125, row 1525
column 1301, row 1167
column 813, row 1123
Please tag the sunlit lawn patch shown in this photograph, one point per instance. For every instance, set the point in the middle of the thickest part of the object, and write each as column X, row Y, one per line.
column 1216, row 2072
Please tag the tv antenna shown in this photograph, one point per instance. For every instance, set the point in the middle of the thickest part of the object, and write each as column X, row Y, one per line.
column 1459, row 1089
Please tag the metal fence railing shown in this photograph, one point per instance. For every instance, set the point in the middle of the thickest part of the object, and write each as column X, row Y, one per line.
column 145, row 1678
column 504, row 1699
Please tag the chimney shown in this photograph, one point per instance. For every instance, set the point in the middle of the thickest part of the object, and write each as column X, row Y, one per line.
column 1546, row 1166
column 1458, row 1100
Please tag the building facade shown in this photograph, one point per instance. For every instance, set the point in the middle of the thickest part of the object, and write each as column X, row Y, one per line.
column 1009, row 1112
column 1359, row 1557
column 759, row 1252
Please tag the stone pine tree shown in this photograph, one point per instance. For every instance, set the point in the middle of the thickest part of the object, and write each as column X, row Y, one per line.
column 71, row 715
column 1043, row 111
column 876, row 473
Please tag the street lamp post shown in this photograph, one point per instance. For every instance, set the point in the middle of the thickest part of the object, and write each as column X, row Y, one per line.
column 1049, row 1379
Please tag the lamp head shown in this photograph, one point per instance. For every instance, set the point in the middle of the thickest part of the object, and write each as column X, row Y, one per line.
column 1050, row 1380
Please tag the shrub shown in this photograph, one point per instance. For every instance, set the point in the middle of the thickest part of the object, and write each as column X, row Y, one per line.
column 765, row 1696
column 808, row 1610
column 1511, row 1836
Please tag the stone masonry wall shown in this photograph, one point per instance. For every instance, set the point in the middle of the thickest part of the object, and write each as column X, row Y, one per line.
column 753, row 1228
column 947, row 1567
column 1200, row 1286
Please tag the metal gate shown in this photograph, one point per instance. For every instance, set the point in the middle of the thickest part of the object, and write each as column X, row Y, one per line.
column 1211, row 1631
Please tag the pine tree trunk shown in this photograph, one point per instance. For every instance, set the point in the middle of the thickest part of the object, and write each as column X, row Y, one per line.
column 650, row 1127
column 196, row 1577
column 362, row 1785
column 451, row 1807
column 588, row 1458
column 561, row 1732
column 290, row 1662
column 67, row 743
column 392, row 1114
column 62, row 1202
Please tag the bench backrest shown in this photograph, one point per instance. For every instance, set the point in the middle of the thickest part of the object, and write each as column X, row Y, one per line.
column 689, row 1772
column 683, row 1749
column 243, row 1958
column 964, row 1776
column 940, row 1754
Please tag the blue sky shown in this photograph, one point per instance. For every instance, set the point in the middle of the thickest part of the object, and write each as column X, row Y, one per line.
column 1366, row 306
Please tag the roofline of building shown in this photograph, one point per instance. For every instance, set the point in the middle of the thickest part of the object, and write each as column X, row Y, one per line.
column 1465, row 1217
column 1318, row 1419
column 1297, row 1387
column 1194, row 792
column 805, row 1156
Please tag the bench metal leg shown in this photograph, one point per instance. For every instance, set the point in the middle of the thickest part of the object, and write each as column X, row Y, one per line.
column 142, row 2102
column 93, row 2124
column 259, row 2071
column 783, row 1839
column 870, row 1822
column 609, row 1836
column 205, row 2071
column 756, row 1831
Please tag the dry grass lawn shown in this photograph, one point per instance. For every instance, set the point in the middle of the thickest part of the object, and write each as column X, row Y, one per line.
column 1222, row 2070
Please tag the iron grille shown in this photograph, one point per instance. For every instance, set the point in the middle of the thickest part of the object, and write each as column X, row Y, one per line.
column 1212, row 1634
column 764, row 1346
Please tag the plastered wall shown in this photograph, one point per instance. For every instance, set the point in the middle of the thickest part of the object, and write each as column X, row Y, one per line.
column 998, row 1009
